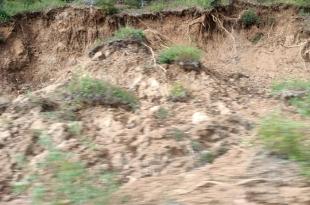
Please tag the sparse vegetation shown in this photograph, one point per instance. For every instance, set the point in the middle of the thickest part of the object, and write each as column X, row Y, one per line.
column 108, row 6
column 287, row 138
column 61, row 179
column 157, row 6
column 179, row 53
column 129, row 33
column 196, row 146
column 257, row 37
column 249, row 18
column 178, row 93
column 177, row 134
column 87, row 90
column 302, row 103
column 206, row 157
column 162, row 113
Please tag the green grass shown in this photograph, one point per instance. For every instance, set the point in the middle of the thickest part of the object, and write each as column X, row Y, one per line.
column 179, row 53
column 293, row 2
column 61, row 179
column 157, row 6
column 301, row 103
column 129, row 33
column 19, row 6
column 178, row 93
column 287, row 138
column 88, row 90
column 296, row 85
column 161, row 114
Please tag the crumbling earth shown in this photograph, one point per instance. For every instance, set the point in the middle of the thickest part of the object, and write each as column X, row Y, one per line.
column 159, row 159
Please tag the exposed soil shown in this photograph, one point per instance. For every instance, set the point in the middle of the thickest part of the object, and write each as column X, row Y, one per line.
column 228, row 98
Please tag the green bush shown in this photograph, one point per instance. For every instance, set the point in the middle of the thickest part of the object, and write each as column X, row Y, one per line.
column 62, row 180
column 179, row 53
column 4, row 16
column 287, row 138
column 88, row 90
column 249, row 18
column 178, row 93
column 129, row 33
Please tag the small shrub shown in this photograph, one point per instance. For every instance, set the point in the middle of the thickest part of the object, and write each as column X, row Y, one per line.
column 206, row 157
column 4, row 16
column 75, row 128
column 88, row 90
column 179, row 53
column 177, row 134
column 287, row 138
column 162, row 113
column 249, row 18
column 178, row 93
column 129, row 33
column 196, row 146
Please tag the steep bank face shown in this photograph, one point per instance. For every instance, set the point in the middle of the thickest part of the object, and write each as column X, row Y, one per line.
column 228, row 96
column 39, row 47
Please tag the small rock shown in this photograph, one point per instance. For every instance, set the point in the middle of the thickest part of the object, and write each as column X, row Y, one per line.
column 199, row 117
column 98, row 56
column 4, row 103
column 190, row 65
column 38, row 125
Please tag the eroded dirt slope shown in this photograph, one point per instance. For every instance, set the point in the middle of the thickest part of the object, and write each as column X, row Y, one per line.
column 228, row 97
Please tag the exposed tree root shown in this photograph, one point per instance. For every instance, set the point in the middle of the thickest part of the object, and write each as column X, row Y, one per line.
column 220, row 24
column 154, row 59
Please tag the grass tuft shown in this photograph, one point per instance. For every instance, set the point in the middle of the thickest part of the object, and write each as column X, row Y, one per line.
column 178, row 93
column 287, row 138
column 92, row 91
column 129, row 33
column 61, row 179
column 179, row 53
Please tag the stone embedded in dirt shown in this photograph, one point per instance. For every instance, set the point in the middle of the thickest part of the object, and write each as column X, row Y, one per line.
column 190, row 65
column 98, row 56
column 289, row 94
column 4, row 103
column 199, row 117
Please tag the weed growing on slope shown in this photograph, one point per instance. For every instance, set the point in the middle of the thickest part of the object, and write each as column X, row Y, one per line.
column 161, row 114
column 177, row 134
column 179, row 53
column 129, row 33
column 302, row 102
column 61, row 179
column 206, row 157
column 249, row 18
column 287, row 138
column 178, row 93
column 87, row 90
